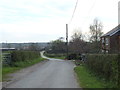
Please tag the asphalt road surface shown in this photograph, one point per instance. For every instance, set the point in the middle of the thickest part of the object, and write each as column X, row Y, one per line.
column 55, row 73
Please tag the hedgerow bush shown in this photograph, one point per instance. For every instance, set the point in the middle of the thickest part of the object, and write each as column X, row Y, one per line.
column 105, row 65
column 18, row 56
column 74, row 56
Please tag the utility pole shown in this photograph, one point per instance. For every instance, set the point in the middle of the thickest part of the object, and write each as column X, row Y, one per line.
column 67, row 39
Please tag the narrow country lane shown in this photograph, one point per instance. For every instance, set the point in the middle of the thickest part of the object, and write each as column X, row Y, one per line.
column 54, row 73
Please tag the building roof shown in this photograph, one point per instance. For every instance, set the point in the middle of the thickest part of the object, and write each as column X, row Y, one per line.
column 113, row 31
column 7, row 48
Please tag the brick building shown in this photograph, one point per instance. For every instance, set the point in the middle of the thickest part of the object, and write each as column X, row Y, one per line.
column 111, row 41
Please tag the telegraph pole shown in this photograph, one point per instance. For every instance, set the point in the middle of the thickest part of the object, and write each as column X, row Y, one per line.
column 67, row 40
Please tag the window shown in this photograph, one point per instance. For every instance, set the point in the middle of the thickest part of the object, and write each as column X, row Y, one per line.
column 106, row 51
column 103, row 41
column 107, row 41
column 103, row 51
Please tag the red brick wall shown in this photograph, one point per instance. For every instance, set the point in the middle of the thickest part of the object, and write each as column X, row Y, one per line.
column 114, row 44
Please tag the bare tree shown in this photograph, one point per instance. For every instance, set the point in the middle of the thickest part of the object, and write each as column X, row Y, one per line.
column 96, row 30
column 77, row 34
column 77, row 44
column 95, row 34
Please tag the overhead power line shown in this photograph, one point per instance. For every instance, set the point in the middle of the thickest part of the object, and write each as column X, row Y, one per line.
column 74, row 11
column 90, row 10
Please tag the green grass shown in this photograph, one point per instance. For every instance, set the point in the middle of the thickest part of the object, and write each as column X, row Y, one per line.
column 87, row 80
column 19, row 65
column 62, row 57
column 56, row 56
column 0, row 74
column 8, row 70
column 28, row 63
column 7, row 51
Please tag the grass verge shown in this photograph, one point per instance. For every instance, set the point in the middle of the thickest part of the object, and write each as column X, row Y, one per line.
column 88, row 80
column 19, row 65
column 56, row 56
column 62, row 57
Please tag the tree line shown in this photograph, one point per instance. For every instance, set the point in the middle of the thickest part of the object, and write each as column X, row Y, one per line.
column 78, row 43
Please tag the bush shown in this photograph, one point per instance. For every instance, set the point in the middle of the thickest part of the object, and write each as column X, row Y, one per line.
column 74, row 56
column 18, row 56
column 105, row 65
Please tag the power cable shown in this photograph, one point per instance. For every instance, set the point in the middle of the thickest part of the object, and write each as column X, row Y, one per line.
column 74, row 12
column 90, row 10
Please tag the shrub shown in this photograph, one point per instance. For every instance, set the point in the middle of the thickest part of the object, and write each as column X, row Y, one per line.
column 74, row 56
column 104, row 65
column 18, row 56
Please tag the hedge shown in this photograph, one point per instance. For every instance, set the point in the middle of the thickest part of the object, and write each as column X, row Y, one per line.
column 74, row 56
column 105, row 65
column 17, row 56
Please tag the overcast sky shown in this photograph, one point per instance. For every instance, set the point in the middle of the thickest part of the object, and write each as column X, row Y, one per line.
column 45, row 20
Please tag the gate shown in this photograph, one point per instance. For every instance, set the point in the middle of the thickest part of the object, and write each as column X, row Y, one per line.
column 6, row 58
